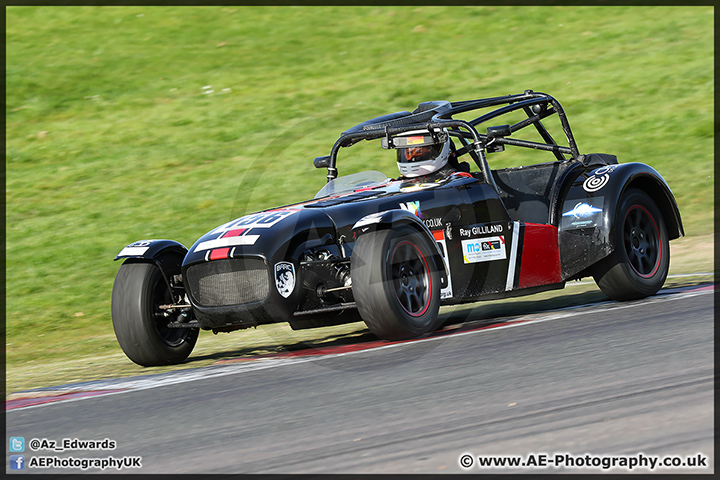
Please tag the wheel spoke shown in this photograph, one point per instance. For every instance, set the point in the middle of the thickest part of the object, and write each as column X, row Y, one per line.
column 401, row 294
column 640, row 221
column 409, row 301
column 645, row 264
column 637, row 218
column 633, row 256
column 396, row 271
column 627, row 236
column 414, row 303
column 405, row 254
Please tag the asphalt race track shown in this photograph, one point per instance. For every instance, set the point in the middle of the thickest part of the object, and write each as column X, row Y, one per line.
column 602, row 380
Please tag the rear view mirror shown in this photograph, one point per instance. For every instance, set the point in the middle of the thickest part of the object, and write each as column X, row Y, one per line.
column 499, row 131
column 322, row 162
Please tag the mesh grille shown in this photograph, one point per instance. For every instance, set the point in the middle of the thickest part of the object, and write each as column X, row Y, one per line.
column 233, row 281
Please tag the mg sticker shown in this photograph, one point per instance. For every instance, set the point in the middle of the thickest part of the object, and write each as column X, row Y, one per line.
column 483, row 249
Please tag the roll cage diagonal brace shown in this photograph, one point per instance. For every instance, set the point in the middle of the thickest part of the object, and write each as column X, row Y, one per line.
column 534, row 104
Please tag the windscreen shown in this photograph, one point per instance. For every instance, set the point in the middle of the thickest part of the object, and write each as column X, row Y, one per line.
column 348, row 183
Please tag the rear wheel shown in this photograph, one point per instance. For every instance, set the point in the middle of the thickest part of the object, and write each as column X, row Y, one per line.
column 140, row 325
column 395, row 287
column 638, row 266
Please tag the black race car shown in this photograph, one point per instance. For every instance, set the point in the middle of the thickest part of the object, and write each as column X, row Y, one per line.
column 392, row 251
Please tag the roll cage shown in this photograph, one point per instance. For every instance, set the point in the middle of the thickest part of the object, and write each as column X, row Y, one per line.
column 439, row 114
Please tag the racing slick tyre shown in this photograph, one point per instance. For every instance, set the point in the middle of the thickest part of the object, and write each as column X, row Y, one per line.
column 140, row 325
column 396, row 290
column 639, row 263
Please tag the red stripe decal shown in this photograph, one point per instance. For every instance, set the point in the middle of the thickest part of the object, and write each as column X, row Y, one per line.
column 219, row 253
column 234, row 233
column 439, row 235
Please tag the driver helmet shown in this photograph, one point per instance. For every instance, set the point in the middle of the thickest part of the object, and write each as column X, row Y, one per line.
column 421, row 152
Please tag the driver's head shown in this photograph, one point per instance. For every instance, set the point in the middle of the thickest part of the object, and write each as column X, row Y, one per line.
column 421, row 153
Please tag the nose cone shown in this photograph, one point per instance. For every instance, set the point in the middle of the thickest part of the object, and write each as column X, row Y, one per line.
column 248, row 234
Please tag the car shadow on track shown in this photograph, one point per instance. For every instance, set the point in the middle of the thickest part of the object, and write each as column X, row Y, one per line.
column 455, row 319
column 504, row 309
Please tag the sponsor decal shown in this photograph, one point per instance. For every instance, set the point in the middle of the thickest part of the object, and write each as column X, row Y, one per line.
column 439, row 236
column 433, row 222
column 582, row 213
column 415, row 140
column 448, row 231
column 484, row 249
column 136, row 249
column 285, row 278
column 476, row 230
column 412, row 207
column 141, row 243
column 605, row 169
column 598, row 179
column 582, row 210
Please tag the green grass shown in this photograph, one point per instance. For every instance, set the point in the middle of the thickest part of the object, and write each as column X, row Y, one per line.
column 112, row 137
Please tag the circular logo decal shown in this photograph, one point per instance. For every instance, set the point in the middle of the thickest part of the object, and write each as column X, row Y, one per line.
column 595, row 183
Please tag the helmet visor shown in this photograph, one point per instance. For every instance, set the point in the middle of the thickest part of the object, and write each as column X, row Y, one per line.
column 418, row 154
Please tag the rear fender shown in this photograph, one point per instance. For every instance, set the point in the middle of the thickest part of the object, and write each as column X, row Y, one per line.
column 390, row 219
column 587, row 214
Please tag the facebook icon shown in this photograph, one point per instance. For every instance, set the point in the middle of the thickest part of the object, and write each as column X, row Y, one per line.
column 17, row 462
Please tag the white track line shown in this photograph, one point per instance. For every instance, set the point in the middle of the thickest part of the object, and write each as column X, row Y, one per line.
column 676, row 275
column 203, row 373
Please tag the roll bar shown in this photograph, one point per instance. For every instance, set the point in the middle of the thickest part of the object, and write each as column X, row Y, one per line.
column 438, row 115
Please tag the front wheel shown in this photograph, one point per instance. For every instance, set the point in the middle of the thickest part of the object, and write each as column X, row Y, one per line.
column 139, row 322
column 638, row 265
column 395, row 287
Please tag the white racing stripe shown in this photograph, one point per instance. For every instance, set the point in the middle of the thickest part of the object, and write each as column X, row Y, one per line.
column 204, row 373
column 227, row 242
column 133, row 251
column 513, row 257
